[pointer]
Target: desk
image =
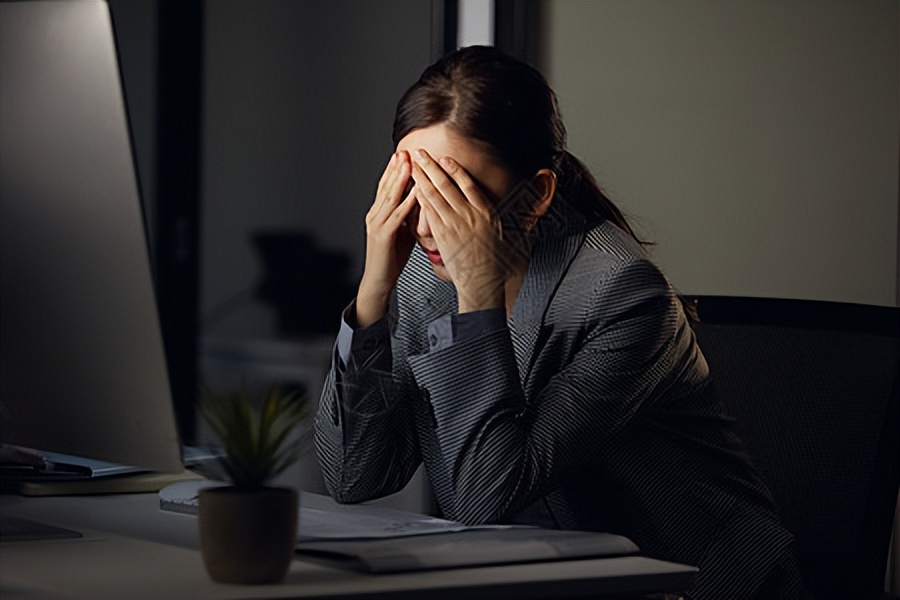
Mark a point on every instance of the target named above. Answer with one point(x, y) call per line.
point(131, 549)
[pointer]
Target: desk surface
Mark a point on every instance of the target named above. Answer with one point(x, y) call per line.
point(131, 549)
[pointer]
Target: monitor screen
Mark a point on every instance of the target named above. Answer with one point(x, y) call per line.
point(82, 363)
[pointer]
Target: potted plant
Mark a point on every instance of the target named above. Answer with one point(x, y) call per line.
point(248, 527)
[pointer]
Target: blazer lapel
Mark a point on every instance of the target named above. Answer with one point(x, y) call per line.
point(550, 259)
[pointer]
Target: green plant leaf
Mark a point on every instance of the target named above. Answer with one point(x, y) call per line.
point(256, 440)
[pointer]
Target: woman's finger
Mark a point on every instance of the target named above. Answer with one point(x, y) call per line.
point(405, 208)
point(451, 185)
point(428, 194)
point(470, 188)
point(387, 174)
point(435, 185)
point(391, 189)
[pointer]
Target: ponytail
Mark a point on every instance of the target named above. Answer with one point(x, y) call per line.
point(578, 187)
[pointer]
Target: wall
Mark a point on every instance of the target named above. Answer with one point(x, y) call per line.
point(755, 142)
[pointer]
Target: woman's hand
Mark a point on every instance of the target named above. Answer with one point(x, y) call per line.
point(388, 240)
point(465, 229)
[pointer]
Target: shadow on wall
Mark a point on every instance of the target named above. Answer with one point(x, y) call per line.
point(306, 284)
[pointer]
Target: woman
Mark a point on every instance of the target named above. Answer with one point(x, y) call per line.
point(528, 352)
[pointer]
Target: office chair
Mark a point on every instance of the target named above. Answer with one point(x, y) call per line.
point(815, 389)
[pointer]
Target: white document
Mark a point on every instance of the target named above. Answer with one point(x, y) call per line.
point(321, 518)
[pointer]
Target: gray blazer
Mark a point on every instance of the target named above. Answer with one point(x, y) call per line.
point(591, 410)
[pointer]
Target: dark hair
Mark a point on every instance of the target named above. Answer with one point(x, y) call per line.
point(489, 96)
point(508, 106)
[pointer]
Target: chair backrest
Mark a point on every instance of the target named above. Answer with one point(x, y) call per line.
point(815, 389)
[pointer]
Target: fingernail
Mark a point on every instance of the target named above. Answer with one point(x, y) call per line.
point(419, 156)
point(447, 163)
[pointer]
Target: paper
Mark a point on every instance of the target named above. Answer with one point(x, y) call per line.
point(330, 524)
point(321, 518)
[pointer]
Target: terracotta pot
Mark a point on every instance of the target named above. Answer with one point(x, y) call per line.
point(248, 536)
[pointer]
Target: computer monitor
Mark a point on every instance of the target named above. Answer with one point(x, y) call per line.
point(82, 362)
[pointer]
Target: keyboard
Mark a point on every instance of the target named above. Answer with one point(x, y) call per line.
point(181, 497)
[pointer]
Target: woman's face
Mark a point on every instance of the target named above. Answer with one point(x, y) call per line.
point(439, 141)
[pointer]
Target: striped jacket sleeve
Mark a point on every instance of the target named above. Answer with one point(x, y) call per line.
point(363, 431)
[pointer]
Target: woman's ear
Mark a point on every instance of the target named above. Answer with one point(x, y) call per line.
point(544, 186)
point(536, 196)
point(530, 200)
